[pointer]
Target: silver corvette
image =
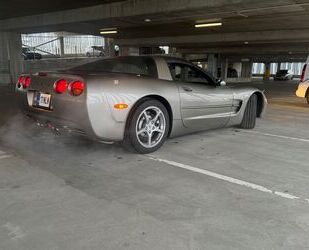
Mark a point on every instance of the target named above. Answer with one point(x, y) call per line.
point(140, 101)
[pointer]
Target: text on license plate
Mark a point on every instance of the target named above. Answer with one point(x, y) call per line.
point(43, 100)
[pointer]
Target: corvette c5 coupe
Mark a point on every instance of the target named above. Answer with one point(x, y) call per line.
point(139, 100)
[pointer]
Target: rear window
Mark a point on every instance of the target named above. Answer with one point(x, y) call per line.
point(144, 66)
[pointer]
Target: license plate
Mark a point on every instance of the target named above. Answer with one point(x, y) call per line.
point(42, 100)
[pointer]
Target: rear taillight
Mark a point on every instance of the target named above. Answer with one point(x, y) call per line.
point(302, 78)
point(27, 82)
point(77, 88)
point(21, 81)
point(60, 86)
point(24, 81)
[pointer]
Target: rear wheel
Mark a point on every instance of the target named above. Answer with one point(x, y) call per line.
point(249, 119)
point(148, 127)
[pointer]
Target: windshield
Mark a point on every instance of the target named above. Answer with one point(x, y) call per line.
point(145, 66)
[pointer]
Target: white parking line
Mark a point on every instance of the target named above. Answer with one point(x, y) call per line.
point(5, 156)
point(229, 179)
point(278, 136)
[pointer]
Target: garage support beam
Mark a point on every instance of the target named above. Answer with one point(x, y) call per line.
point(129, 51)
point(267, 72)
point(109, 47)
point(224, 68)
point(246, 70)
point(11, 61)
point(61, 40)
point(278, 66)
point(212, 64)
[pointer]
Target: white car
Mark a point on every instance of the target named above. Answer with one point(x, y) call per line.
point(303, 87)
point(95, 51)
point(303, 90)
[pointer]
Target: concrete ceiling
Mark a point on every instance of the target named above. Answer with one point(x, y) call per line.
point(19, 8)
point(254, 27)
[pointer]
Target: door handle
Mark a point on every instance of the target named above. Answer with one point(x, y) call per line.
point(187, 89)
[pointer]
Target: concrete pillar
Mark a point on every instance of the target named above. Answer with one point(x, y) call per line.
point(172, 50)
point(11, 60)
point(129, 51)
point(61, 40)
point(212, 64)
point(246, 69)
point(278, 66)
point(267, 72)
point(110, 47)
point(224, 68)
point(238, 67)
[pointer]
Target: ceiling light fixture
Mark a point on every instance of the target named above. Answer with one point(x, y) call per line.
point(204, 25)
point(108, 31)
point(147, 20)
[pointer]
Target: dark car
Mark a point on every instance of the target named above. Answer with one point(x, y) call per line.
point(29, 54)
point(284, 75)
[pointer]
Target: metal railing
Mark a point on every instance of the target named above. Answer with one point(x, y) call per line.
point(49, 43)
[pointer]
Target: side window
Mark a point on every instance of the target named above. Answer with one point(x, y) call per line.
point(189, 74)
point(193, 75)
point(176, 71)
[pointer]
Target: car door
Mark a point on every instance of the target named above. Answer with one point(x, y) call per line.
point(203, 104)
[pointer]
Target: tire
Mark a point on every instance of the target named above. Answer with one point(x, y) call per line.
point(88, 54)
point(307, 98)
point(152, 134)
point(249, 119)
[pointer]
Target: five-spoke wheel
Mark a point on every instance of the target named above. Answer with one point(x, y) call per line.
point(148, 127)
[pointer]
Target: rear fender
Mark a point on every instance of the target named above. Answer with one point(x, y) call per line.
point(104, 92)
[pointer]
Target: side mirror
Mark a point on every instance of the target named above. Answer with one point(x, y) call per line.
point(221, 82)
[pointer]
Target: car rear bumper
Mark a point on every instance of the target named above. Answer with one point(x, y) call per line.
point(57, 125)
point(65, 115)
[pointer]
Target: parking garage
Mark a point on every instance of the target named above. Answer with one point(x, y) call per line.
point(227, 188)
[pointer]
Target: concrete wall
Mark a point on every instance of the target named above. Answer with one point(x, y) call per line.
point(10, 57)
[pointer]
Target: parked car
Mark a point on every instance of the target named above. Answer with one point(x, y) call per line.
point(303, 90)
point(95, 51)
point(303, 87)
point(284, 75)
point(139, 100)
point(29, 54)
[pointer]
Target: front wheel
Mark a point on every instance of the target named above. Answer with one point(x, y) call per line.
point(148, 127)
point(249, 118)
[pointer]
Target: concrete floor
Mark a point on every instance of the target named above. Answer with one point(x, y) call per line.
point(70, 193)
